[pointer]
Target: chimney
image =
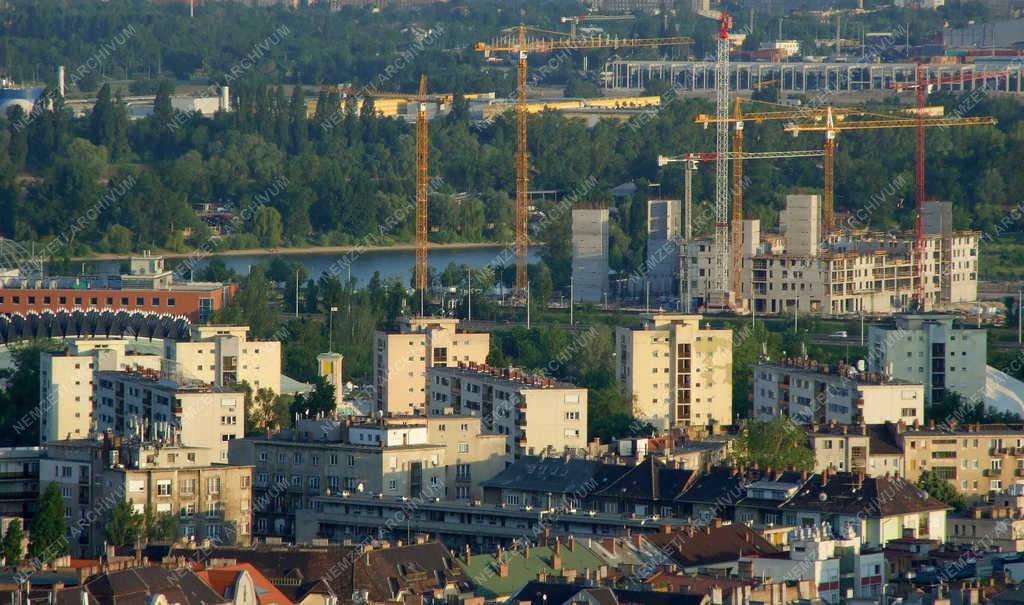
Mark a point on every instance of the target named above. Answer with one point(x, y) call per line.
point(547, 535)
point(556, 561)
point(526, 551)
point(503, 569)
point(572, 544)
point(469, 554)
point(666, 529)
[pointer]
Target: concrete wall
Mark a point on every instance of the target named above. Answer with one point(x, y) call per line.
point(590, 254)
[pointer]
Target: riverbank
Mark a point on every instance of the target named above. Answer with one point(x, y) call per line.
point(298, 251)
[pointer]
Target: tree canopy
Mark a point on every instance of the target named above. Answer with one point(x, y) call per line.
point(777, 444)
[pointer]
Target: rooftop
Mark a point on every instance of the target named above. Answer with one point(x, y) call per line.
point(840, 371)
point(508, 375)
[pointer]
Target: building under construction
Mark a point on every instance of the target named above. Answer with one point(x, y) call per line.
point(852, 271)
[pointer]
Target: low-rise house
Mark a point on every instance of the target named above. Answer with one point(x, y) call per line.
point(645, 490)
point(719, 545)
point(243, 584)
point(764, 498)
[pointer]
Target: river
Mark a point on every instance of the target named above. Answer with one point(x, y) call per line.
point(389, 263)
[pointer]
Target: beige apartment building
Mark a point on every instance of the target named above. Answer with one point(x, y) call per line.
point(535, 414)
point(224, 356)
point(401, 359)
point(219, 355)
point(413, 456)
point(66, 383)
point(676, 371)
point(143, 405)
point(812, 393)
point(999, 524)
point(210, 500)
point(978, 459)
point(872, 449)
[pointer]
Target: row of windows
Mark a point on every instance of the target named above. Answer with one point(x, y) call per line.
point(93, 300)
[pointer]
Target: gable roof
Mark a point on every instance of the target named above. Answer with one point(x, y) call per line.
point(223, 579)
point(873, 497)
point(720, 485)
point(556, 475)
point(414, 569)
point(715, 543)
point(550, 593)
point(648, 481)
point(136, 586)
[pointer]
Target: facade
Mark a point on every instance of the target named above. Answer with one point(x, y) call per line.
point(148, 287)
point(997, 525)
point(401, 359)
point(19, 482)
point(145, 405)
point(676, 372)
point(209, 499)
point(590, 254)
point(852, 272)
point(663, 247)
point(66, 383)
point(872, 449)
point(931, 350)
point(978, 460)
point(442, 457)
point(838, 566)
point(535, 414)
point(808, 393)
point(224, 356)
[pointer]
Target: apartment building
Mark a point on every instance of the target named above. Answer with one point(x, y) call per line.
point(209, 499)
point(219, 355)
point(872, 449)
point(676, 371)
point(401, 359)
point(932, 350)
point(224, 356)
point(535, 414)
point(590, 254)
point(19, 482)
point(146, 405)
point(999, 523)
point(977, 459)
point(443, 457)
point(848, 273)
point(66, 383)
point(812, 393)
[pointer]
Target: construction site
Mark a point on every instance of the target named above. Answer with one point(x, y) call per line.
point(815, 262)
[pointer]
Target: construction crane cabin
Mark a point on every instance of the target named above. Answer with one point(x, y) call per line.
point(520, 44)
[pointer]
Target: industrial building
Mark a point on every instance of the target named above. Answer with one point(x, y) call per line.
point(808, 392)
point(536, 414)
point(931, 350)
point(676, 372)
point(850, 272)
point(663, 247)
point(589, 254)
point(402, 357)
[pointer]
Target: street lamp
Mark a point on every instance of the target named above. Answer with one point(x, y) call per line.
point(330, 338)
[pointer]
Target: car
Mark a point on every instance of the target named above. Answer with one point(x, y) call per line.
point(839, 334)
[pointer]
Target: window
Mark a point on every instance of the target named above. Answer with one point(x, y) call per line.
point(262, 456)
point(297, 457)
point(333, 460)
point(392, 484)
point(163, 487)
point(246, 481)
point(314, 460)
point(512, 499)
point(464, 448)
point(187, 487)
point(350, 460)
point(213, 485)
point(314, 482)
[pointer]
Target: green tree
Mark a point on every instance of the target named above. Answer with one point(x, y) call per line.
point(776, 443)
point(253, 306)
point(319, 400)
point(49, 531)
point(158, 527)
point(267, 412)
point(12, 544)
point(266, 226)
point(124, 525)
point(941, 489)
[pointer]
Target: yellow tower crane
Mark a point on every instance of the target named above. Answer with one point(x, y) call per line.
point(422, 187)
point(517, 42)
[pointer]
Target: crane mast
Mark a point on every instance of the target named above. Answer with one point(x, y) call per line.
point(720, 272)
point(422, 184)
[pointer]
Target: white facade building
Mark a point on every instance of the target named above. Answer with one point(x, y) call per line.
point(536, 414)
point(809, 393)
point(930, 350)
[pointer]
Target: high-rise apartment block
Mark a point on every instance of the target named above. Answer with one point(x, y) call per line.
point(401, 359)
point(590, 254)
point(676, 371)
point(929, 349)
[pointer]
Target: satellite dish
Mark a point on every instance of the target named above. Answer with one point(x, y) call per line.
point(360, 487)
point(822, 496)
